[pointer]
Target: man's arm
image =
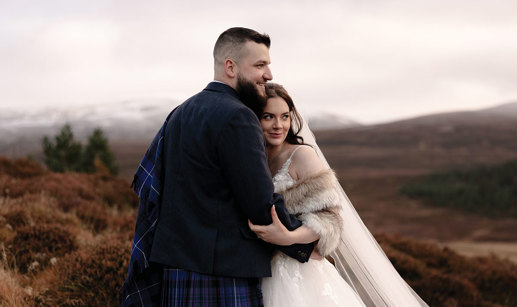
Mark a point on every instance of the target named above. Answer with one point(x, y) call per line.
point(243, 160)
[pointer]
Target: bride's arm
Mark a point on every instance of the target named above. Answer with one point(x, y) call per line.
point(303, 235)
point(305, 163)
point(319, 209)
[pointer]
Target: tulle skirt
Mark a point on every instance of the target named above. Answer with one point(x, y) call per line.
point(314, 283)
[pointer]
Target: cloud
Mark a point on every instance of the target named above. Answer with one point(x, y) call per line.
point(370, 60)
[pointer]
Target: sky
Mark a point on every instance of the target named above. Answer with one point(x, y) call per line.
point(372, 61)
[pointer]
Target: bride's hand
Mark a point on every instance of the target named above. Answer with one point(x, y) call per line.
point(274, 233)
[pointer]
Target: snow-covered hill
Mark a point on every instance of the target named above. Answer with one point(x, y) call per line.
point(21, 131)
point(131, 120)
point(327, 121)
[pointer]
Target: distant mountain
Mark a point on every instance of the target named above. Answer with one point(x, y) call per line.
point(507, 110)
point(326, 121)
point(127, 120)
point(132, 121)
point(424, 144)
point(415, 145)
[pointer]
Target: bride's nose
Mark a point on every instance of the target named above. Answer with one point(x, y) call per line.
point(276, 124)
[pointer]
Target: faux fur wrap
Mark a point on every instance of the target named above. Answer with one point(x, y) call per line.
point(315, 202)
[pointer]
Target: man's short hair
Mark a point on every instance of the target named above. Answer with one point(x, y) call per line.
point(230, 42)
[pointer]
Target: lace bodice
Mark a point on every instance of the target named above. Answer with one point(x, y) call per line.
point(282, 179)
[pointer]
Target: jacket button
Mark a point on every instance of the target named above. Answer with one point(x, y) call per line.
point(302, 254)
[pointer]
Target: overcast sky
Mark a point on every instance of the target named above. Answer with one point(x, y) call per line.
point(370, 60)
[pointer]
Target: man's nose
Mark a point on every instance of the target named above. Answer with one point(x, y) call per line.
point(267, 74)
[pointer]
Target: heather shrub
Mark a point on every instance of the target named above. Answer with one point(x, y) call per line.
point(60, 186)
point(17, 217)
point(11, 187)
point(34, 209)
point(91, 267)
point(431, 255)
point(443, 278)
point(39, 244)
point(93, 215)
point(69, 189)
point(20, 168)
point(114, 191)
point(418, 275)
point(48, 213)
point(439, 289)
point(6, 234)
point(496, 278)
point(91, 278)
point(124, 224)
point(67, 204)
point(63, 186)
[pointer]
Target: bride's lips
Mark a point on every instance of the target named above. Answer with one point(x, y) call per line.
point(275, 135)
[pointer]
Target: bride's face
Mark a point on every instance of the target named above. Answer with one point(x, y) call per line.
point(275, 121)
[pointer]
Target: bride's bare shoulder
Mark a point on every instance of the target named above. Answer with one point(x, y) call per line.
point(305, 163)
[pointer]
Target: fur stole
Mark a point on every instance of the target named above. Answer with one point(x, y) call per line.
point(315, 202)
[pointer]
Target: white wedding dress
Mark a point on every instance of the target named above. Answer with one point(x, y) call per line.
point(310, 284)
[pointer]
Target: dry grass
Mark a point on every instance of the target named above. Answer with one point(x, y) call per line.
point(12, 294)
point(79, 228)
point(11, 291)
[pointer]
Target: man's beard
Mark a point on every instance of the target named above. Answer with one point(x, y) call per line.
point(250, 96)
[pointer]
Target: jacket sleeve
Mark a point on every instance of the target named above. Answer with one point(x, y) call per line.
point(243, 160)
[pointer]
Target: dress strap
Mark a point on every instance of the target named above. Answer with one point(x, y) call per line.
point(287, 163)
point(292, 154)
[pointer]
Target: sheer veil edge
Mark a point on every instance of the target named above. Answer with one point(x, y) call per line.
point(359, 259)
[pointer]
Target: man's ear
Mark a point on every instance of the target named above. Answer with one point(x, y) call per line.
point(230, 68)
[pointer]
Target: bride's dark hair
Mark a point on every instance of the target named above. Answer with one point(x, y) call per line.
point(276, 90)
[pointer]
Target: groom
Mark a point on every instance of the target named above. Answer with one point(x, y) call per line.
point(215, 178)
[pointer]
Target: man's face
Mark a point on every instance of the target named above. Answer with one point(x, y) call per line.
point(253, 67)
point(250, 95)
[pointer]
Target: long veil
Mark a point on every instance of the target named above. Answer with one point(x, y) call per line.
point(359, 258)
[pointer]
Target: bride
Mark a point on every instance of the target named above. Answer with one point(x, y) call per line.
point(363, 275)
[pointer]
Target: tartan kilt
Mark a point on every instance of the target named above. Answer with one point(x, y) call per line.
point(185, 288)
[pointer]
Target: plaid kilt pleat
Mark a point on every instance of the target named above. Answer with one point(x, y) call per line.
point(182, 288)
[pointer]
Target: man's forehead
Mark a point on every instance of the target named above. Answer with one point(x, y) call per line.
point(255, 51)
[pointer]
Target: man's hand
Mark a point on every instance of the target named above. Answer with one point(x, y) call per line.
point(274, 233)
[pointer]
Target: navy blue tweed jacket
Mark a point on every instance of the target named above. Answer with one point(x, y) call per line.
point(203, 176)
point(216, 177)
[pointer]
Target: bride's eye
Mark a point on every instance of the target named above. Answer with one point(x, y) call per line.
point(267, 116)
